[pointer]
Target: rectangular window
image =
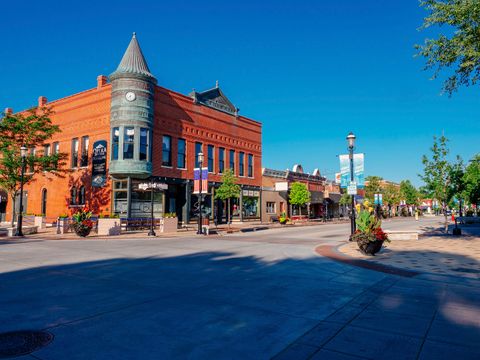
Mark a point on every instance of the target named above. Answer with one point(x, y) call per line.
point(115, 139)
point(144, 142)
point(221, 160)
point(250, 165)
point(182, 154)
point(31, 160)
point(241, 164)
point(198, 150)
point(167, 151)
point(128, 142)
point(46, 152)
point(270, 207)
point(84, 158)
point(211, 150)
point(74, 159)
point(232, 160)
point(55, 151)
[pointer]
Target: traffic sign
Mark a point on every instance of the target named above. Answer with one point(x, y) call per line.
point(352, 188)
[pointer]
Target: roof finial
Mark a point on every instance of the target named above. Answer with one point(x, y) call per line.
point(216, 84)
point(134, 34)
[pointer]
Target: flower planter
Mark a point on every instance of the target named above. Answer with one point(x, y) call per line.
point(63, 225)
point(108, 226)
point(370, 247)
point(81, 230)
point(40, 222)
point(170, 224)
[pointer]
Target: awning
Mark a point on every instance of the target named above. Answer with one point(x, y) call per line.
point(316, 197)
point(334, 197)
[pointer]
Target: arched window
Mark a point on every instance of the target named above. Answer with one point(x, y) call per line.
point(81, 196)
point(73, 196)
point(44, 202)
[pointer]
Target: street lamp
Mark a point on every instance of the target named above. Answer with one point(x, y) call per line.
point(152, 219)
point(351, 145)
point(200, 164)
point(23, 154)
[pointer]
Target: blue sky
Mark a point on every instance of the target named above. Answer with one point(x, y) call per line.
point(310, 71)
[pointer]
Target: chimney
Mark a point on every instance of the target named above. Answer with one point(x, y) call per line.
point(101, 81)
point(8, 111)
point(42, 101)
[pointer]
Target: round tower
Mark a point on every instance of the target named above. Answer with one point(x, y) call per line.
point(131, 115)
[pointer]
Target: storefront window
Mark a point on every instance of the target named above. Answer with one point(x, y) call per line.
point(128, 142)
point(250, 206)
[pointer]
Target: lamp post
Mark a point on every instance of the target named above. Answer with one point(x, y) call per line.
point(152, 219)
point(351, 145)
point(23, 154)
point(200, 164)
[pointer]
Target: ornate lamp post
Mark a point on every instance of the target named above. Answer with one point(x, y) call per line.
point(351, 145)
point(23, 154)
point(200, 159)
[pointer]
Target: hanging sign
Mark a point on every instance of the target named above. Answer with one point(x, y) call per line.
point(196, 181)
point(358, 170)
point(99, 163)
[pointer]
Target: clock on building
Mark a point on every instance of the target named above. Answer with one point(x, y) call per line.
point(130, 96)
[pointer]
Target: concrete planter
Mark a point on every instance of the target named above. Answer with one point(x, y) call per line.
point(63, 225)
point(168, 224)
point(40, 222)
point(107, 226)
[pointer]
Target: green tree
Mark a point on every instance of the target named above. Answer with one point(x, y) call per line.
point(32, 129)
point(299, 195)
point(460, 48)
point(373, 187)
point(408, 192)
point(345, 199)
point(391, 197)
point(471, 180)
point(457, 182)
point(436, 173)
point(227, 190)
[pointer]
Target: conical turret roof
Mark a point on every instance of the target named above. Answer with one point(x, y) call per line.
point(133, 61)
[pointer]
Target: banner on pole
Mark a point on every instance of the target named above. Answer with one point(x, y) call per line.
point(196, 181)
point(358, 170)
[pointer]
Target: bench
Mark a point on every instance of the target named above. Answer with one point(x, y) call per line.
point(132, 224)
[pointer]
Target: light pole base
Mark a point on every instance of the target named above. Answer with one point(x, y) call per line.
point(151, 233)
point(19, 234)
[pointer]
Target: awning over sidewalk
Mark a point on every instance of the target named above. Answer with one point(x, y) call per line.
point(316, 197)
point(334, 197)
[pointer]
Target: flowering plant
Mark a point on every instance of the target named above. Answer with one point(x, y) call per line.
point(283, 219)
point(82, 223)
point(368, 228)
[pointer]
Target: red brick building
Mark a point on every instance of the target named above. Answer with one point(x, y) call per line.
point(151, 134)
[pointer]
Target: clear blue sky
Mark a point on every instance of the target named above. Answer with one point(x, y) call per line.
point(310, 71)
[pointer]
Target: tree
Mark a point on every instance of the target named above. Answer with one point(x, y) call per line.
point(460, 48)
point(373, 187)
point(471, 180)
point(436, 173)
point(456, 181)
point(227, 190)
point(391, 197)
point(299, 194)
point(31, 129)
point(408, 192)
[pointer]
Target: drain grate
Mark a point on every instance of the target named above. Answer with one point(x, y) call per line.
point(17, 343)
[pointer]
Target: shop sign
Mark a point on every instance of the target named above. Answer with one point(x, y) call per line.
point(281, 186)
point(152, 186)
point(99, 163)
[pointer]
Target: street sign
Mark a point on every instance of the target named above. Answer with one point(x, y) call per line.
point(352, 188)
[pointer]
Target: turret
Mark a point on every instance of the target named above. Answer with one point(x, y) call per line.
point(131, 115)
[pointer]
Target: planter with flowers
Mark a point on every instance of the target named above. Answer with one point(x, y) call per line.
point(369, 234)
point(82, 225)
point(283, 219)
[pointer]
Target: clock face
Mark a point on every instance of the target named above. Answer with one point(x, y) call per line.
point(130, 96)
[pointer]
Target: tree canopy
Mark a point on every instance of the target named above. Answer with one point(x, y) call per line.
point(458, 47)
point(299, 194)
point(373, 187)
point(408, 192)
point(229, 187)
point(471, 180)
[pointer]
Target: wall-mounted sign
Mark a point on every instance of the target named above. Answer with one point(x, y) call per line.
point(99, 163)
point(152, 186)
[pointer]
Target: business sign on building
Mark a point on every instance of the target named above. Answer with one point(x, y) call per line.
point(196, 180)
point(358, 170)
point(281, 186)
point(99, 163)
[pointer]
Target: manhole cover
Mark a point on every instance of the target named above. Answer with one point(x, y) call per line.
point(17, 343)
point(467, 270)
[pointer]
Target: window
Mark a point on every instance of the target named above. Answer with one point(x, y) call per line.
point(73, 196)
point(74, 163)
point(115, 138)
point(46, 152)
point(128, 142)
point(270, 207)
point(31, 160)
point(84, 157)
point(44, 202)
point(198, 150)
point(182, 154)
point(144, 142)
point(81, 196)
point(241, 164)
point(211, 150)
point(167, 151)
point(232, 160)
point(250, 165)
point(221, 160)
point(55, 151)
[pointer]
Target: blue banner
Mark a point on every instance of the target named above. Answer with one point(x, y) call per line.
point(358, 167)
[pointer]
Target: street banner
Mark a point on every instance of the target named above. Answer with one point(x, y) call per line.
point(196, 180)
point(358, 167)
point(378, 199)
point(99, 163)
